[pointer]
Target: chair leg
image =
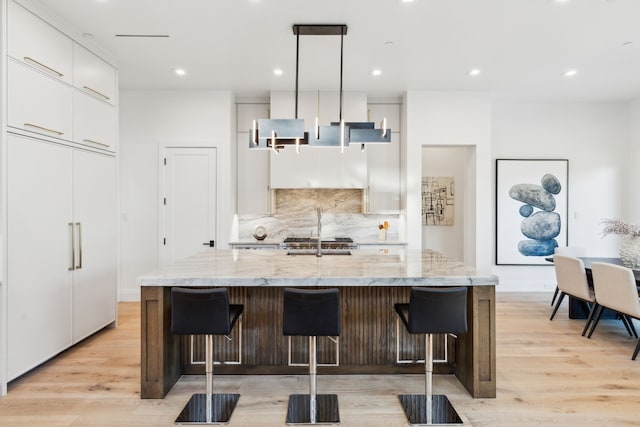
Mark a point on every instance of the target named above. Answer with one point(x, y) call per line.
point(555, 295)
point(427, 408)
point(633, 328)
point(590, 317)
point(428, 376)
point(208, 357)
point(623, 319)
point(313, 366)
point(635, 353)
point(313, 408)
point(208, 408)
point(555, 309)
point(596, 320)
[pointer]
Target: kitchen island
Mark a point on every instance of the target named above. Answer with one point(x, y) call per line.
point(370, 283)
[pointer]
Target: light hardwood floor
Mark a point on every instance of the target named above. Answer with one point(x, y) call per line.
point(548, 375)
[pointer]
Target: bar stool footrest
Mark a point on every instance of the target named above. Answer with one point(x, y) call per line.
point(443, 413)
point(299, 412)
point(195, 411)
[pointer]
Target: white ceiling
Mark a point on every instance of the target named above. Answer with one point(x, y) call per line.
point(523, 47)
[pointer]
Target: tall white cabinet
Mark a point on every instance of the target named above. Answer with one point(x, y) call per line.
point(59, 191)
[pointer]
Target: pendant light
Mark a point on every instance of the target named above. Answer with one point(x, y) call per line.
point(274, 134)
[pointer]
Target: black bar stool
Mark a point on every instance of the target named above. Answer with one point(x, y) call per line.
point(312, 313)
point(205, 312)
point(432, 311)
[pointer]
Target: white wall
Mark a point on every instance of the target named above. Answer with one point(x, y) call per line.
point(447, 161)
point(634, 151)
point(595, 139)
point(451, 119)
point(147, 120)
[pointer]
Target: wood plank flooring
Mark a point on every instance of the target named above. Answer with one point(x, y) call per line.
point(548, 375)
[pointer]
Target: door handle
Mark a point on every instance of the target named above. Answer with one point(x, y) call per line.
point(79, 266)
point(73, 248)
point(210, 243)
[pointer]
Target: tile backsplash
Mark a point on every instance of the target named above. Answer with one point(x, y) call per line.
point(295, 216)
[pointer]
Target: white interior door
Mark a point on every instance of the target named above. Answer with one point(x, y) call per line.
point(189, 203)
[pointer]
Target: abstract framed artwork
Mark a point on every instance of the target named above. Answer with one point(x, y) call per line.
point(437, 200)
point(531, 209)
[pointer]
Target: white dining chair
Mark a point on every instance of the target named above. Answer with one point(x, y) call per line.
point(572, 281)
point(576, 251)
point(615, 288)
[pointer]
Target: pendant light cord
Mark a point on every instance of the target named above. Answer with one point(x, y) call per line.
point(341, 56)
point(297, 61)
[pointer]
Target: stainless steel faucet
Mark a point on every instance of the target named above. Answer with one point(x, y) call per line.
point(319, 252)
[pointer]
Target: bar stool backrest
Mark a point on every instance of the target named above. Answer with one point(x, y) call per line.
point(438, 311)
point(572, 277)
point(311, 312)
point(615, 288)
point(200, 311)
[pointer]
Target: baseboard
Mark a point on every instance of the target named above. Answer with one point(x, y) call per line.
point(129, 295)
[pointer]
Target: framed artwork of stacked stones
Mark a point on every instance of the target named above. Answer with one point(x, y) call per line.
point(531, 209)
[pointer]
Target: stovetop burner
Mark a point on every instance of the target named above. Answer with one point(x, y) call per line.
point(310, 239)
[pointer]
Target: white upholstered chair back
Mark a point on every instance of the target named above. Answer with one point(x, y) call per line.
point(615, 288)
point(571, 277)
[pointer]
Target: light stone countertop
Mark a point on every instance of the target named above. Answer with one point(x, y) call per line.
point(246, 267)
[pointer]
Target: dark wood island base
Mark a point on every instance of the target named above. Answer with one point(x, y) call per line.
point(367, 344)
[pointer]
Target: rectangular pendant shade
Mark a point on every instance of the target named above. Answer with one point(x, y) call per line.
point(329, 136)
point(366, 133)
point(369, 136)
point(284, 128)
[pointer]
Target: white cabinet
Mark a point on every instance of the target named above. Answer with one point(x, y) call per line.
point(93, 76)
point(39, 257)
point(61, 279)
point(253, 165)
point(38, 103)
point(383, 163)
point(94, 215)
point(43, 67)
point(94, 122)
point(32, 41)
point(316, 167)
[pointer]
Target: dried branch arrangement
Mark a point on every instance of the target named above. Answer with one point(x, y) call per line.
point(618, 226)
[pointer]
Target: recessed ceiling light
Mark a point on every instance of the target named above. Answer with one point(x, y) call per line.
point(407, 1)
point(474, 72)
point(376, 72)
point(570, 73)
point(627, 43)
point(277, 71)
point(389, 43)
point(180, 71)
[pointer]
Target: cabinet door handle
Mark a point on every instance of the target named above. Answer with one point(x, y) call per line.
point(73, 248)
point(95, 92)
point(31, 125)
point(96, 142)
point(79, 266)
point(56, 72)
